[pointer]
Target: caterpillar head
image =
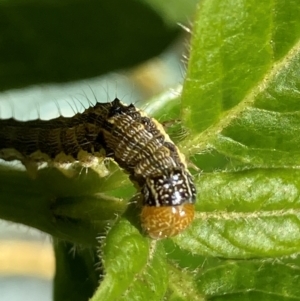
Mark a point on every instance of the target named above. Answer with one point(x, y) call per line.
point(168, 206)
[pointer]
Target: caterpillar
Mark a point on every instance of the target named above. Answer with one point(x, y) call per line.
point(135, 141)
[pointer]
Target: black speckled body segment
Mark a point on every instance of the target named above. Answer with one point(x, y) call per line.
point(135, 141)
point(140, 145)
point(143, 148)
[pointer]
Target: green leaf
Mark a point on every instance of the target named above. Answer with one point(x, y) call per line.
point(240, 103)
point(250, 280)
point(247, 121)
point(135, 266)
point(174, 11)
point(251, 213)
point(70, 208)
point(77, 272)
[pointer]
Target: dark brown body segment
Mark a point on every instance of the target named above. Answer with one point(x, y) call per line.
point(55, 136)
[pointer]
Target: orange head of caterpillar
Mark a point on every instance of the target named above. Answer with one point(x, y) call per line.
point(168, 206)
